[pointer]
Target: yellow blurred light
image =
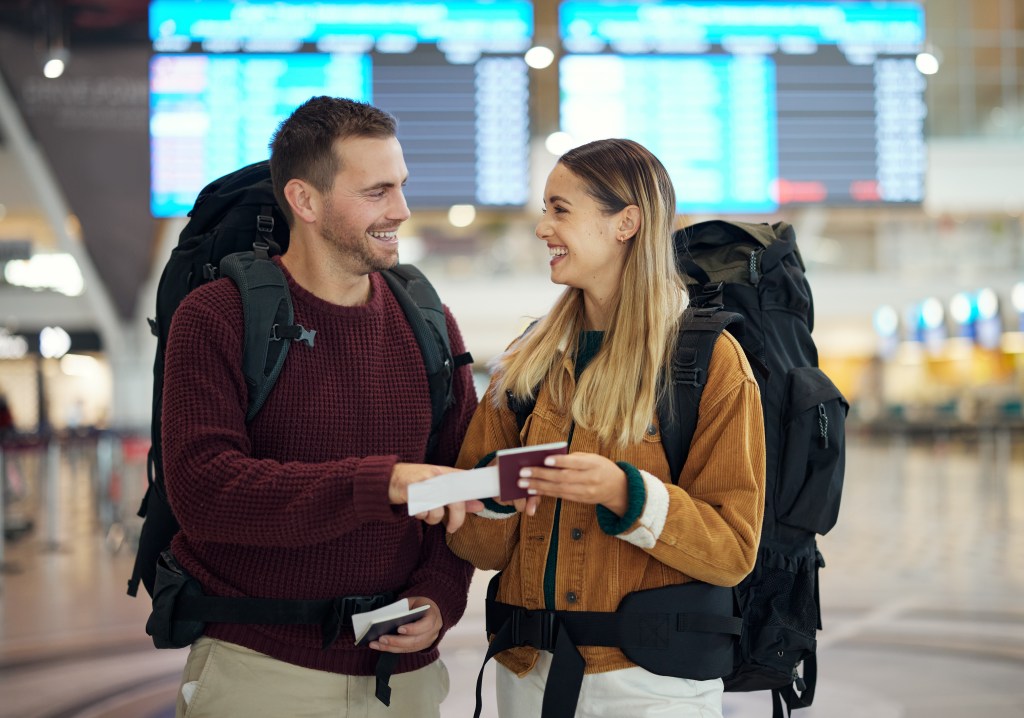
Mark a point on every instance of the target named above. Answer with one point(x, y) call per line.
point(1012, 343)
point(79, 365)
point(461, 215)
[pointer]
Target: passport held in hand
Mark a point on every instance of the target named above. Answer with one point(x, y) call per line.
point(371, 625)
point(510, 461)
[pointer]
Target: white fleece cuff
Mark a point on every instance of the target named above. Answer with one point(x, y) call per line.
point(652, 520)
point(488, 514)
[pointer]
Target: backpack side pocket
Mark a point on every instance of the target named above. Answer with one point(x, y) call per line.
point(779, 601)
point(813, 455)
point(172, 583)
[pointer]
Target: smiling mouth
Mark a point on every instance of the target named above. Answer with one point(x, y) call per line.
point(558, 251)
point(391, 236)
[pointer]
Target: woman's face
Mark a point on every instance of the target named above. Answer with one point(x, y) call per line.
point(582, 240)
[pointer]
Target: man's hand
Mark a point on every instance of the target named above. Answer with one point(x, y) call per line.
point(457, 513)
point(404, 474)
point(416, 636)
point(398, 493)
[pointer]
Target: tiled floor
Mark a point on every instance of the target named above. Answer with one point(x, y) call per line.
point(923, 602)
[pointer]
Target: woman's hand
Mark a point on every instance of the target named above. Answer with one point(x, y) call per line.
point(586, 478)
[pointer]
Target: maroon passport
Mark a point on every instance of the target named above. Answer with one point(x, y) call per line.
point(510, 461)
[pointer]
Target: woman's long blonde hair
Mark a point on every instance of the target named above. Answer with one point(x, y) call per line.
point(618, 391)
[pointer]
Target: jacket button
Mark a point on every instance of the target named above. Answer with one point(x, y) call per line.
point(576, 534)
point(571, 597)
point(651, 430)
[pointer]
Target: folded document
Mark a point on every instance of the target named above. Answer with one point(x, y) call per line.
point(451, 487)
point(501, 480)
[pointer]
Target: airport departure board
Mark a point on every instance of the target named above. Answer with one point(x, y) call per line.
point(755, 105)
point(223, 76)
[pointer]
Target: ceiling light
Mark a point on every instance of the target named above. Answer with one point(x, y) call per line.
point(539, 57)
point(558, 143)
point(56, 61)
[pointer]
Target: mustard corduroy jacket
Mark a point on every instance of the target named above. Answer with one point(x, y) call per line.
point(707, 527)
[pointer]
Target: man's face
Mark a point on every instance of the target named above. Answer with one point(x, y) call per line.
point(366, 205)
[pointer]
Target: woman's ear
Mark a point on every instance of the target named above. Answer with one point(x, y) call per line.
point(629, 223)
point(303, 200)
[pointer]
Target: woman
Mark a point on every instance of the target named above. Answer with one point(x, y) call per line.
point(606, 520)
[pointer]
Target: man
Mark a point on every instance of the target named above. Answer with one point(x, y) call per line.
point(307, 501)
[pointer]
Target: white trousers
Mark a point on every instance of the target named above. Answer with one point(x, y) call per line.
point(628, 693)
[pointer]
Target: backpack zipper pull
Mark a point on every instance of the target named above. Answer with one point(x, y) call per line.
point(823, 426)
point(755, 274)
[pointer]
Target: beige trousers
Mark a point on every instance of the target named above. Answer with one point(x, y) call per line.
point(224, 680)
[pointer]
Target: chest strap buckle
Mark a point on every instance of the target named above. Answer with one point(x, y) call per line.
point(534, 628)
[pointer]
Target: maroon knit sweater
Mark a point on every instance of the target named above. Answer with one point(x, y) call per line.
point(295, 505)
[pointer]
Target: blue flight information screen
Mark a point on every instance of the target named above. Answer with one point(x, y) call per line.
point(754, 105)
point(211, 114)
point(224, 75)
point(231, 25)
point(716, 139)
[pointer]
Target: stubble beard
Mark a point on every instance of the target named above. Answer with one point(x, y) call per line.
point(356, 251)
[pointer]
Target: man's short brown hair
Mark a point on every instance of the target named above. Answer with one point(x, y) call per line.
point(303, 145)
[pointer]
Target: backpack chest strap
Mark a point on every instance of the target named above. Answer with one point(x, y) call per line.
point(540, 628)
point(331, 614)
point(647, 637)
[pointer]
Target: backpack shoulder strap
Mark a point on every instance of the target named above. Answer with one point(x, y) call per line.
point(679, 408)
point(423, 308)
point(522, 406)
point(268, 317)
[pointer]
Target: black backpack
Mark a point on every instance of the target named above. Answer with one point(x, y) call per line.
point(233, 230)
point(749, 279)
point(756, 271)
